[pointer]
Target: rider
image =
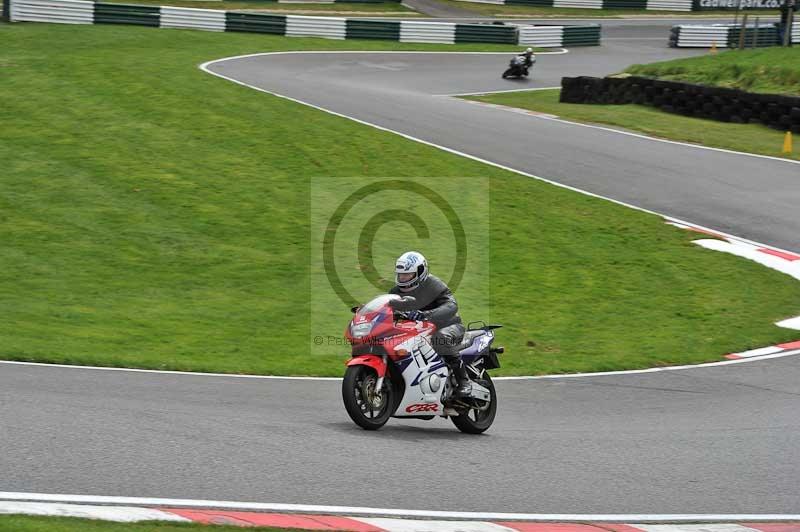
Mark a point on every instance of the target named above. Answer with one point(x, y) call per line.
point(529, 58)
point(435, 303)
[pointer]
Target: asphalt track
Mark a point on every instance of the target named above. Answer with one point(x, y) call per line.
point(704, 440)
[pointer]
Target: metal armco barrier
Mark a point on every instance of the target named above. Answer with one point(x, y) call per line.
point(331, 1)
point(55, 11)
point(330, 28)
point(127, 14)
point(726, 36)
point(558, 36)
point(544, 36)
point(255, 23)
point(486, 33)
point(579, 4)
point(651, 5)
point(373, 29)
point(581, 35)
point(85, 12)
point(668, 5)
point(190, 18)
point(537, 3)
point(441, 32)
point(715, 103)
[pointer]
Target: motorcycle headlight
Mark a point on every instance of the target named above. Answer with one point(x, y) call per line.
point(360, 330)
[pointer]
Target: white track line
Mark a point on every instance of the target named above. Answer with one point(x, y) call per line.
point(170, 372)
point(655, 139)
point(512, 378)
point(556, 51)
point(205, 67)
point(391, 512)
point(428, 525)
point(554, 118)
point(499, 92)
point(649, 370)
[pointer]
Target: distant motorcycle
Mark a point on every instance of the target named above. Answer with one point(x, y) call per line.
point(517, 67)
point(395, 372)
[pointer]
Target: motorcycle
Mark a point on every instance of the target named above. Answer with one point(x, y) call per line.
point(395, 372)
point(517, 67)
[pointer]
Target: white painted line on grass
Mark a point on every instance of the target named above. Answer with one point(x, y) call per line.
point(559, 51)
point(510, 378)
point(412, 525)
point(713, 527)
point(392, 512)
point(791, 323)
point(751, 252)
point(759, 352)
point(170, 372)
point(499, 92)
point(648, 370)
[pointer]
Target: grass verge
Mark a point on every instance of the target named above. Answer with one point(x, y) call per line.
point(769, 70)
point(750, 138)
point(154, 216)
point(27, 523)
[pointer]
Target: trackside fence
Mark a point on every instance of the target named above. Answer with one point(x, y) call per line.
point(86, 12)
point(728, 35)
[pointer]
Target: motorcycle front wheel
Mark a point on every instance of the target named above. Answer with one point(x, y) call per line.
point(473, 420)
point(507, 73)
point(369, 408)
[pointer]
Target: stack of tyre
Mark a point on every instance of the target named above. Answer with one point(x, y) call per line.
point(716, 103)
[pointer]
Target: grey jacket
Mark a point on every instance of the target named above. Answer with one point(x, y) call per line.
point(435, 300)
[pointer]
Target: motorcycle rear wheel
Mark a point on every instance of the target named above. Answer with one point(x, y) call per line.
point(475, 421)
point(367, 409)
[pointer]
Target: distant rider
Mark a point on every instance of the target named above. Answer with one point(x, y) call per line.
point(529, 58)
point(435, 303)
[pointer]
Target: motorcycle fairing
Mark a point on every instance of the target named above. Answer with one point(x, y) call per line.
point(475, 349)
point(372, 361)
point(423, 363)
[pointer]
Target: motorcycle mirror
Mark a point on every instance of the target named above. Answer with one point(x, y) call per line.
point(354, 309)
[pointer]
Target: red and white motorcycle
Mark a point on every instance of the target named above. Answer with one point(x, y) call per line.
point(395, 372)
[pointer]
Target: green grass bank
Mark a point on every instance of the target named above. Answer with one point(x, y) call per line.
point(769, 70)
point(154, 216)
point(25, 523)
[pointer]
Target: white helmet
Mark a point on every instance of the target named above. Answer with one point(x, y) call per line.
point(529, 51)
point(411, 269)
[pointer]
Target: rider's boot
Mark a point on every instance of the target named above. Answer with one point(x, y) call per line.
point(464, 387)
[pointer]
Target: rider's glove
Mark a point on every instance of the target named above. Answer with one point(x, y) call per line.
point(415, 315)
